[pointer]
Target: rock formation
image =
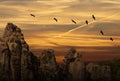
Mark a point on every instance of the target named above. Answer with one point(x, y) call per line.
point(48, 65)
point(74, 66)
point(5, 71)
point(76, 70)
point(18, 63)
point(98, 72)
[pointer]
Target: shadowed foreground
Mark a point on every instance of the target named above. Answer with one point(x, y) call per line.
point(18, 63)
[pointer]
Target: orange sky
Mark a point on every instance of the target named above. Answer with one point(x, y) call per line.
point(43, 32)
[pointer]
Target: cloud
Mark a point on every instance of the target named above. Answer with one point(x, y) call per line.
point(109, 28)
point(19, 12)
point(45, 10)
point(95, 6)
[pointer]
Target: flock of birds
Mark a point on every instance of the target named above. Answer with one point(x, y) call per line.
point(93, 17)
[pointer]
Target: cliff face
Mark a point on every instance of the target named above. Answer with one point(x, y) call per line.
point(98, 73)
point(18, 63)
point(79, 71)
point(48, 65)
point(4, 61)
point(74, 66)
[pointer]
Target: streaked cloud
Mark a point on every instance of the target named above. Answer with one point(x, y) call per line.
point(45, 10)
point(43, 31)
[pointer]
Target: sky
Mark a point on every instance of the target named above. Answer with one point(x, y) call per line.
point(42, 32)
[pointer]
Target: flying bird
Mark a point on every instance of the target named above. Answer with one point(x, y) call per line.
point(93, 17)
point(86, 22)
point(111, 39)
point(101, 32)
point(55, 19)
point(32, 15)
point(73, 21)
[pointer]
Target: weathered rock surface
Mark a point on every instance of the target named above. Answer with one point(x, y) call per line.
point(18, 62)
point(48, 65)
point(75, 69)
point(74, 66)
point(4, 61)
point(98, 72)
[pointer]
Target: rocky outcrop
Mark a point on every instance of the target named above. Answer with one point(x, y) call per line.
point(75, 69)
point(18, 62)
point(98, 72)
point(74, 66)
point(48, 65)
point(5, 71)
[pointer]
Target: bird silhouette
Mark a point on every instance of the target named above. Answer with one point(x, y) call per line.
point(32, 15)
point(55, 19)
point(101, 32)
point(86, 22)
point(111, 39)
point(73, 21)
point(93, 17)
